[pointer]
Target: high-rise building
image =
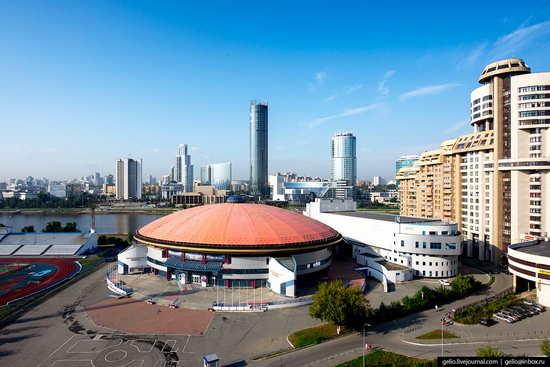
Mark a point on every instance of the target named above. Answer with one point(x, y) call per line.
point(183, 171)
point(404, 162)
point(343, 159)
point(377, 181)
point(258, 148)
point(499, 176)
point(128, 179)
point(109, 179)
point(217, 175)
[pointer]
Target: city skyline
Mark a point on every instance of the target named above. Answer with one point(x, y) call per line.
point(164, 66)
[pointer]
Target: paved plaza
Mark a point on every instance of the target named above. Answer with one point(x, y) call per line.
point(120, 315)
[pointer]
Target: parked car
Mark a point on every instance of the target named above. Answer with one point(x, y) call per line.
point(531, 309)
point(511, 315)
point(515, 313)
point(502, 317)
point(521, 311)
point(444, 282)
point(486, 321)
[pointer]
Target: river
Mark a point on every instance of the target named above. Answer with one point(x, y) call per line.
point(105, 223)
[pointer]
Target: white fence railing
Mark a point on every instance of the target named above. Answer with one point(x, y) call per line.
point(114, 283)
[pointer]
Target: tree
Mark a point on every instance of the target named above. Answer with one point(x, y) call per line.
point(489, 352)
point(70, 227)
point(28, 229)
point(339, 305)
point(545, 347)
point(130, 238)
point(2, 225)
point(53, 226)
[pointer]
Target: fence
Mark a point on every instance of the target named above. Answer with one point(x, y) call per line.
point(114, 283)
point(496, 296)
point(502, 337)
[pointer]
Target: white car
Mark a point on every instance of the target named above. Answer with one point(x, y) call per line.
point(444, 282)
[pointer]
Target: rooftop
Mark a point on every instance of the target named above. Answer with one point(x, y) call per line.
point(539, 248)
point(244, 226)
point(507, 66)
point(390, 217)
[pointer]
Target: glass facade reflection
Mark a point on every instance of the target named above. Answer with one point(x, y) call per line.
point(258, 148)
point(217, 175)
point(343, 160)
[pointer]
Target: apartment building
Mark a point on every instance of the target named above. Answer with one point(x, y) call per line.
point(494, 181)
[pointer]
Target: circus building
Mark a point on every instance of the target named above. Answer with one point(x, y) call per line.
point(233, 245)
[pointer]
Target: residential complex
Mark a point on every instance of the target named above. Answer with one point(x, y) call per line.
point(128, 179)
point(494, 181)
point(258, 148)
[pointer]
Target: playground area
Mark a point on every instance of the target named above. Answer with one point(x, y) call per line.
point(22, 277)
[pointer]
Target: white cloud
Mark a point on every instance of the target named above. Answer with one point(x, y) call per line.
point(521, 38)
point(321, 76)
point(347, 90)
point(354, 88)
point(345, 113)
point(456, 127)
point(429, 89)
point(382, 88)
point(475, 54)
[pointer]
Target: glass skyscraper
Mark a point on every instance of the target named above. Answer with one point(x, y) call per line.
point(344, 160)
point(404, 162)
point(258, 148)
point(217, 175)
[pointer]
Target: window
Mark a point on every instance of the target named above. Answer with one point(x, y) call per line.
point(416, 244)
point(402, 243)
point(430, 265)
point(423, 244)
point(417, 263)
point(435, 245)
point(424, 263)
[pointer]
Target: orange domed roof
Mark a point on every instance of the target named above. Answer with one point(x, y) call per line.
point(237, 225)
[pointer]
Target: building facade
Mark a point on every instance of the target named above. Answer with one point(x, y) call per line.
point(259, 148)
point(529, 262)
point(499, 177)
point(128, 179)
point(429, 247)
point(217, 175)
point(405, 161)
point(343, 158)
point(183, 170)
point(233, 245)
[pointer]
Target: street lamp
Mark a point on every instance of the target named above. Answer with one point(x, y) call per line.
point(364, 345)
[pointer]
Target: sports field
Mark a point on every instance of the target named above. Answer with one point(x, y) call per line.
point(21, 277)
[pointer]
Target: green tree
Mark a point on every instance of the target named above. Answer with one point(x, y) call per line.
point(28, 229)
point(339, 305)
point(70, 227)
point(489, 352)
point(130, 238)
point(53, 226)
point(545, 347)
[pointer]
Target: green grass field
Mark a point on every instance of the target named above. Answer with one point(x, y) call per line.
point(436, 334)
point(382, 358)
point(314, 335)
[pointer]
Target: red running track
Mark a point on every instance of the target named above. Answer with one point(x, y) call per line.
point(64, 269)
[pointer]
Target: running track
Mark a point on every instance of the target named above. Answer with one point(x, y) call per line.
point(65, 268)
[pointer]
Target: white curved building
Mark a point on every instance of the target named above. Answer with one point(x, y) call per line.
point(530, 264)
point(430, 247)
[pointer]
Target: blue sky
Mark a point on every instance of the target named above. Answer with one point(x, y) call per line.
point(83, 83)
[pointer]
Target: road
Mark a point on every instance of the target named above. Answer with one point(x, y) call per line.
point(388, 336)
